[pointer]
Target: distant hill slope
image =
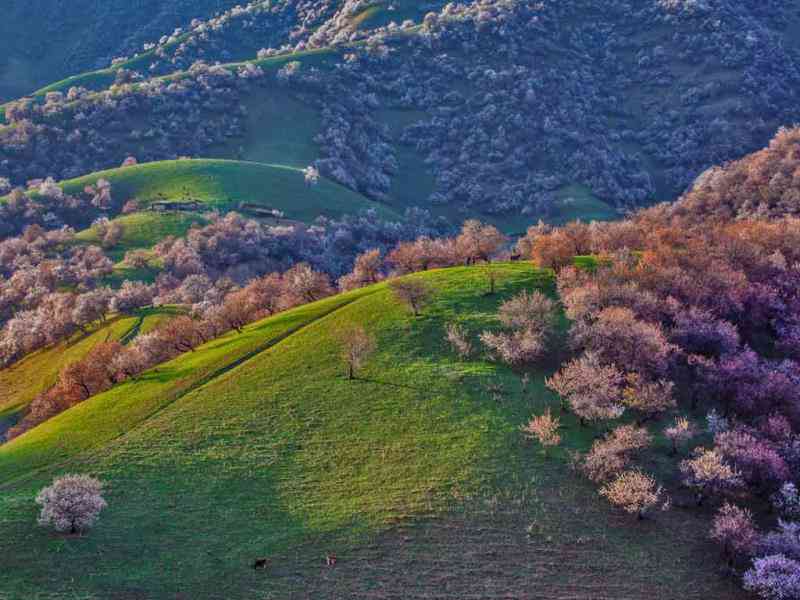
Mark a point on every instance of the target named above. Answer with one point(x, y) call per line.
point(494, 108)
point(414, 475)
point(251, 189)
point(224, 185)
point(45, 40)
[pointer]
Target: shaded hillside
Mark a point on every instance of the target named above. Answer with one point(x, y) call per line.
point(45, 40)
point(258, 445)
point(762, 185)
point(492, 108)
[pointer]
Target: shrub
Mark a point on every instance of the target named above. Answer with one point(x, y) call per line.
point(543, 429)
point(459, 342)
point(774, 578)
point(633, 491)
point(71, 504)
point(733, 529)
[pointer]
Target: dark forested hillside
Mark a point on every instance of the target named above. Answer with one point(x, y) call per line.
point(46, 40)
point(501, 107)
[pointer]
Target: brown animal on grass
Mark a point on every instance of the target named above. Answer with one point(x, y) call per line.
point(260, 563)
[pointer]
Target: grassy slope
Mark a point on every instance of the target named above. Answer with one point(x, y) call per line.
point(143, 230)
point(23, 381)
point(282, 456)
point(223, 184)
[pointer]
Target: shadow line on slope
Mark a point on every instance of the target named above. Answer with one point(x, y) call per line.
point(89, 451)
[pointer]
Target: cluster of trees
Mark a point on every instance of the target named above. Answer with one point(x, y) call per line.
point(218, 306)
point(48, 282)
point(81, 131)
point(507, 138)
point(110, 363)
point(514, 133)
point(46, 205)
point(683, 313)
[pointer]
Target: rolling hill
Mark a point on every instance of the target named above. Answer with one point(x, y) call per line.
point(415, 474)
point(22, 382)
point(484, 122)
point(223, 185)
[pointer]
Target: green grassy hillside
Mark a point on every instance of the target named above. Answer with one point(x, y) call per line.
point(23, 381)
point(223, 184)
point(219, 185)
point(415, 474)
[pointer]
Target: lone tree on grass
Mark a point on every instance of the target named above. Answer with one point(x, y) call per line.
point(412, 292)
point(71, 504)
point(357, 346)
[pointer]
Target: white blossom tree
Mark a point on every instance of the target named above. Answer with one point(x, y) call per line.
point(71, 504)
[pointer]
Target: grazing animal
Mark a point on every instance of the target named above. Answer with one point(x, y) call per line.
point(260, 563)
point(330, 560)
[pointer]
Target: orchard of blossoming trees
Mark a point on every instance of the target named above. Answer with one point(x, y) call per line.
point(693, 308)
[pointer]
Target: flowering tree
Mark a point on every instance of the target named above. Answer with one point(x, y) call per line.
point(72, 503)
point(787, 501)
point(411, 292)
point(528, 310)
point(531, 318)
point(733, 529)
point(356, 346)
point(618, 337)
point(610, 455)
point(366, 271)
point(543, 429)
point(707, 473)
point(478, 242)
point(679, 432)
point(648, 398)
point(593, 390)
point(756, 459)
point(633, 491)
point(311, 175)
point(785, 540)
point(774, 578)
point(517, 347)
